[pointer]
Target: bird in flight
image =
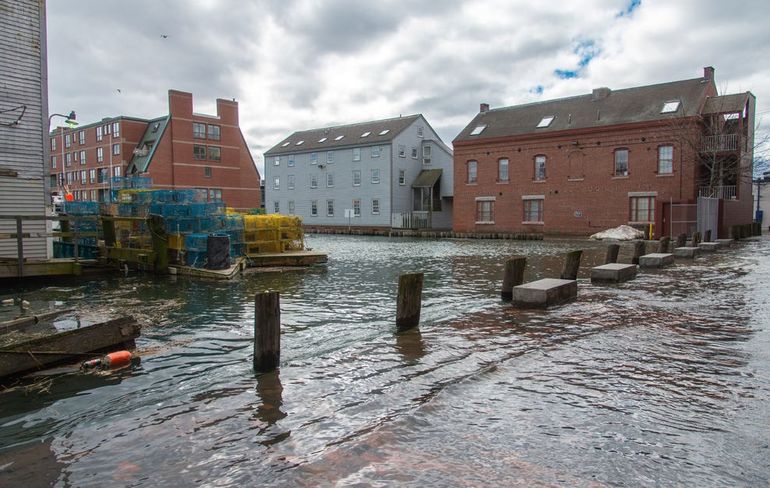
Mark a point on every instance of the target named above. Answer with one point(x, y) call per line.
point(119, 91)
point(164, 36)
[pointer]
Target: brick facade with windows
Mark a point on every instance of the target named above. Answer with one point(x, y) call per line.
point(598, 163)
point(178, 151)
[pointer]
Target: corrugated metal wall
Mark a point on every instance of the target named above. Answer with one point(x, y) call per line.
point(23, 119)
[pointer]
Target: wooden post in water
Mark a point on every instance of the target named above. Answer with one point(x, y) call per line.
point(707, 236)
point(108, 230)
point(612, 254)
point(19, 247)
point(267, 331)
point(409, 301)
point(681, 240)
point(663, 244)
point(157, 227)
point(513, 276)
point(639, 251)
point(695, 239)
point(571, 265)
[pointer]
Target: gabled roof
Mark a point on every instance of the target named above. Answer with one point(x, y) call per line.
point(380, 131)
point(604, 107)
point(144, 151)
point(726, 104)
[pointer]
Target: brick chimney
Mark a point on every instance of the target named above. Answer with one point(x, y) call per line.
point(600, 93)
point(708, 73)
point(484, 107)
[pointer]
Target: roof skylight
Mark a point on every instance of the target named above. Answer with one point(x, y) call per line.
point(322, 139)
point(338, 138)
point(383, 132)
point(299, 143)
point(478, 130)
point(670, 106)
point(285, 144)
point(366, 134)
point(545, 121)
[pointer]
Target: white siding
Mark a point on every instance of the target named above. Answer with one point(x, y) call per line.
point(22, 197)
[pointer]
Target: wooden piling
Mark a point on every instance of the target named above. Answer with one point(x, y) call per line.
point(409, 301)
point(681, 240)
point(267, 331)
point(663, 244)
point(639, 251)
point(612, 254)
point(157, 227)
point(695, 239)
point(571, 265)
point(108, 230)
point(707, 236)
point(513, 276)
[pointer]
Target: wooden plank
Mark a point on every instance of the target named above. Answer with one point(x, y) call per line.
point(24, 322)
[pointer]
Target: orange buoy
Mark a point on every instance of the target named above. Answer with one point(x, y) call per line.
point(117, 359)
point(69, 197)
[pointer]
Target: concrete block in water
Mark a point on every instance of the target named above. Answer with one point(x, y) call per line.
point(613, 273)
point(708, 246)
point(686, 252)
point(724, 242)
point(656, 260)
point(544, 293)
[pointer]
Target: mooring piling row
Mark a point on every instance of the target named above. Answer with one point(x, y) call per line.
point(409, 300)
point(513, 275)
point(639, 251)
point(612, 254)
point(267, 331)
point(571, 265)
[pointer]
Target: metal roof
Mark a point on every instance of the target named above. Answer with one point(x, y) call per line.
point(427, 178)
point(152, 135)
point(604, 107)
point(380, 131)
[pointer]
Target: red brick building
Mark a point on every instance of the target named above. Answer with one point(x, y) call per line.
point(582, 164)
point(178, 151)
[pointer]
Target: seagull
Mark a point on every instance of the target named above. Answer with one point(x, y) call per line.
point(119, 91)
point(164, 36)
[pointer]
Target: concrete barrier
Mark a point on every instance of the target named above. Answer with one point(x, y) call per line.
point(686, 252)
point(613, 273)
point(544, 293)
point(656, 260)
point(724, 242)
point(708, 246)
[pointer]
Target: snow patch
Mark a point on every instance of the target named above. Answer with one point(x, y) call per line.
point(621, 233)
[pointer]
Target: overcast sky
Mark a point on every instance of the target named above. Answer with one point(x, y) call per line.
point(295, 65)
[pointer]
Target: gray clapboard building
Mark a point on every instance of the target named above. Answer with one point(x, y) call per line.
point(23, 122)
point(379, 174)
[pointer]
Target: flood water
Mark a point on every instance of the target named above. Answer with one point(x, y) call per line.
point(661, 381)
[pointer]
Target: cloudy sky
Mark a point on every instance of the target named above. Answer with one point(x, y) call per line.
point(299, 64)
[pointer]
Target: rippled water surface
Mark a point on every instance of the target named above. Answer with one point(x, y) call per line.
point(664, 380)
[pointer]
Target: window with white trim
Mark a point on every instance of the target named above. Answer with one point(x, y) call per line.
point(330, 208)
point(485, 211)
point(376, 150)
point(533, 210)
point(314, 208)
point(276, 183)
point(426, 153)
point(414, 153)
point(53, 161)
point(540, 162)
point(68, 159)
point(116, 129)
point(621, 162)
point(116, 171)
point(99, 133)
point(290, 182)
point(291, 207)
point(313, 181)
point(329, 180)
point(290, 160)
point(375, 176)
point(665, 160)
point(82, 137)
point(329, 157)
point(356, 177)
point(277, 161)
point(375, 206)
point(356, 154)
point(402, 177)
point(401, 151)
point(472, 168)
point(116, 149)
point(92, 175)
point(313, 158)
point(276, 207)
point(100, 154)
point(642, 209)
point(419, 132)
point(502, 170)
point(207, 171)
point(199, 130)
point(53, 144)
point(356, 207)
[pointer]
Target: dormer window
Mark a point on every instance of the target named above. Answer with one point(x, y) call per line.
point(285, 144)
point(545, 121)
point(299, 143)
point(383, 132)
point(322, 139)
point(338, 138)
point(478, 130)
point(670, 106)
point(366, 134)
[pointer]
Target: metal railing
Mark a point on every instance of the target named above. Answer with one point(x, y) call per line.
point(410, 220)
point(721, 142)
point(728, 192)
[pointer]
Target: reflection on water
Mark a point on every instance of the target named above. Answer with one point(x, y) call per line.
point(663, 380)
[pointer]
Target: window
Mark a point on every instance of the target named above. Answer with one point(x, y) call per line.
point(375, 206)
point(276, 183)
point(502, 169)
point(533, 210)
point(199, 152)
point(92, 176)
point(366, 134)
point(214, 132)
point(285, 143)
point(540, 168)
point(665, 160)
point(207, 171)
point(383, 132)
point(313, 181)
point(76, 156)
point(478, 129)
point(376, 150)
point(102, 175)
point(338, 138)
point(642, 209)
point(199, 130)
point(472, 168)
point(329, 157)
point(68, 159)
point(375, 176)
point(426, 152)
point(485, 211)
point(330, 208)
point(69, 178)
point(53, 161)
point(276, 207)
point(67, 140)
point(99, 133)
point(299, 143)
point(670, 106)
point(155, 127)
point(356, 207)
point(115, 129)
point(82, 137)
point(106, 129)
point(290, 182)
point(401, 151)
point(323, 139)
point(414, 153)
point(116, 149)
point(82, 157)
point(215, 153)
point(53, 144)
point(621, 162)
point(356, 177)
point(545, 121)
point(330, 180)
point(83, 176)
point(356, 154)
point(116, 171)
point(277, 161)
point(99, 154)
point(402, 177)
point(419, 132)
point(93, 195)
point(215, 195)
point(291, 207)
point(290, 160)
point(314, 208)
point(313, 158)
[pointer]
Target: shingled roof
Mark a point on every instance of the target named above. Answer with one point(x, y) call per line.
point(726, 103)
point(604, 107)
point(324, 138)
